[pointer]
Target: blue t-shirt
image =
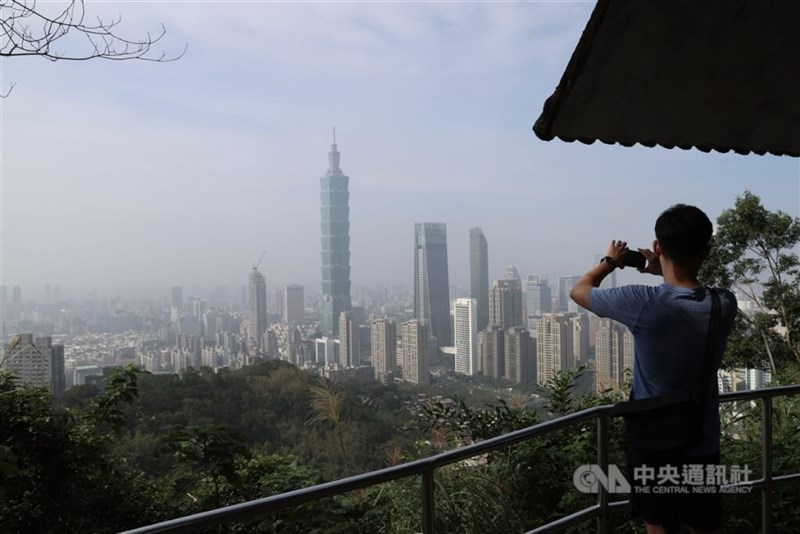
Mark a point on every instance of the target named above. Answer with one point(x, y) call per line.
point(669, 326)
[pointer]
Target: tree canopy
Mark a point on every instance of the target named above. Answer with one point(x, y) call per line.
point(754, 252)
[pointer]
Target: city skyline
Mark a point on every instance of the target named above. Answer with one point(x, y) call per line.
point(209, 163)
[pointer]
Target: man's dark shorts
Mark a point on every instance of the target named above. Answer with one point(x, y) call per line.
point(702, 511)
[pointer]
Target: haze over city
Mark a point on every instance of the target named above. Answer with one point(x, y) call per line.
point(129, 176)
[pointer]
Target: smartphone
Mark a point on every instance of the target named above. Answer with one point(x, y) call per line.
point(634, 258)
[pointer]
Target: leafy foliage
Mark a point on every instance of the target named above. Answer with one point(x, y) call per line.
point(58, 473)
point(752, 252)
point(210, 451)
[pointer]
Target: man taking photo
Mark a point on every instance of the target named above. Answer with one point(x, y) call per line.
point(670, 325)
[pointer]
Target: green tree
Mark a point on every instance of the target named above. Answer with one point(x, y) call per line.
point(753, 252)
point(57, 471)
point(211, 452)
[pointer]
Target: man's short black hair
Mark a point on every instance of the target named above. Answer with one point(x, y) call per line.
point(683, 232)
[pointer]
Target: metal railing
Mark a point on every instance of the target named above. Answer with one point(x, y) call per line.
point(426, 467)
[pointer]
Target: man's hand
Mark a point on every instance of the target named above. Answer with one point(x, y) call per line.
point(616, 250)
point(653, 262)
point(583, 287)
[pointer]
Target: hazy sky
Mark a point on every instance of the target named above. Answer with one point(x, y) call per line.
point(128, 174)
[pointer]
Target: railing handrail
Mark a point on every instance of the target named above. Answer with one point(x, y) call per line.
point(422, 466)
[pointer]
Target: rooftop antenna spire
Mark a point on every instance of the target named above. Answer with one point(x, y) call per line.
point(333, 156)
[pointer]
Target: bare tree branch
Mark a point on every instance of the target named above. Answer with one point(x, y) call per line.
point(27, 31)
point(10, 88)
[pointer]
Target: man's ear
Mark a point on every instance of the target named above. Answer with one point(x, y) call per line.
point(656, 247)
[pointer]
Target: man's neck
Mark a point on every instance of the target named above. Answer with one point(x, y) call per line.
point(680, 277)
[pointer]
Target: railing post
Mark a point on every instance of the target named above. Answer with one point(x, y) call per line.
point(602, 461)
point(766, 464)
point(428, 505)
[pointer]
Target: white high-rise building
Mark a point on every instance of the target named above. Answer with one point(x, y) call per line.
point(326, 351)
point(742, 379)
point(465, 320)
point(36, 363)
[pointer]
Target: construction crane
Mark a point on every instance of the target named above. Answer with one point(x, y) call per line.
point(256, 264)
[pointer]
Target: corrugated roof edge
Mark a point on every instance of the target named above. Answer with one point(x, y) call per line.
point(670, 146)
point(544, 124)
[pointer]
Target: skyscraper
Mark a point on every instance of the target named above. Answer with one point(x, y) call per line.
point(335, 212)
point(198, 307)
point(294, 342)
point(554, 345)
point(293, 304)
point(580, 338)
point(384, 349)
point(520, 361)
point(57, 376)
point(276, 302)
point(565, 285)
point(466, 336)
point(491, 346)
point(505, 304)
point(349, 346)
point(479, 274)
point(431, 280)
point(35, 363)
point(513, 274)
point(176, 305)
point(539, 299)
point(414, 336)
point(256, 305)
point(269, 342)
point(613, 354)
